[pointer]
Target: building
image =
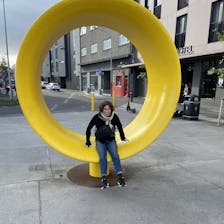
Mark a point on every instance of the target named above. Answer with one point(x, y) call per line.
point(60, 62)
point(195, 27)
point(90, 58)
point(103, 52)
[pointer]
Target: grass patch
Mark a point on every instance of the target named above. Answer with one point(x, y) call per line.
point(8, 102)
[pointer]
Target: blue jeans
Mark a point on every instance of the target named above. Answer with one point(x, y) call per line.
point(102, 148)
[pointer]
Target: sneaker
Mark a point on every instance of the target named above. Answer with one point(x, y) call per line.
point(104, 183)
point(121, 181)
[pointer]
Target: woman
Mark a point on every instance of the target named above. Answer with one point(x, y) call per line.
point(105, 122)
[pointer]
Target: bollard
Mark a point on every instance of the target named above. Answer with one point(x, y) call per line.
point(220, 111)
point(92, 101)
point(94, 169)
point(114, 99)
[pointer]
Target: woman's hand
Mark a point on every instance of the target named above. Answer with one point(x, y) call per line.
point(88, 143)
point(125, 140)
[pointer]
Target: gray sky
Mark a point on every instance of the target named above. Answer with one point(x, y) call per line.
point(20, 14)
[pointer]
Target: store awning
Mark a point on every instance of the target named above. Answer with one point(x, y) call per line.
point(131, 65)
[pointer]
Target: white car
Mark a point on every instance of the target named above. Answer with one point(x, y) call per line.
point(43, 84)
point(53, 86)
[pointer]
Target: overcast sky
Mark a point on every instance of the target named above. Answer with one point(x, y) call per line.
point(20, 14)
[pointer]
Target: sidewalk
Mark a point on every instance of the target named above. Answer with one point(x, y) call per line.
point(178, 179)
point(209, 108)
point(5, 100)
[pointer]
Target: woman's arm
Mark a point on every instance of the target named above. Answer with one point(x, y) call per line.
point(90, 126)
point(119, 126)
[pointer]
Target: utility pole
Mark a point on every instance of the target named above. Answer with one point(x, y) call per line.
point(7, 53)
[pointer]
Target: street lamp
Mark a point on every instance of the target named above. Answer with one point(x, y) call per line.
point(7, 52)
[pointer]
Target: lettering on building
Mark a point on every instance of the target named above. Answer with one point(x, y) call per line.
point(184, 51)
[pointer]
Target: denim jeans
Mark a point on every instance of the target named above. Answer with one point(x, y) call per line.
point(102, 148)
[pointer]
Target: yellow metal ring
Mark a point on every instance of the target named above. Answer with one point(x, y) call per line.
point(141, 28)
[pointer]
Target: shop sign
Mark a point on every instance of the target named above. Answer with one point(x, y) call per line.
point(98, 72)
point(184, 51)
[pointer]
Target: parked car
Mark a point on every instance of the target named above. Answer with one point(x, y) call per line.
point(53, 86)
point(43, 84)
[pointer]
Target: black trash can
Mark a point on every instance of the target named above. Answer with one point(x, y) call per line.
point(192, 107)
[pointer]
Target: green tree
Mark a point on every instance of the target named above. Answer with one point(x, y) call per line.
point(220, 70)
point(3, 65)
point(142, 72)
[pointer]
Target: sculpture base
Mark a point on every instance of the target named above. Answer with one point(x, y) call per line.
point(80, 175)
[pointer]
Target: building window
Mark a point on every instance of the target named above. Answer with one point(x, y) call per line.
point(93, 48)
point(180, 31)
point(157, 3)
point(107, 44)
point(57, 67)
point(157, 8)
point(83, 51)
point(56, 52)
point(83, 30)
point(216, 21)
point(123, 40)
point(182, 4)
point(93, 27)
point(147, 4)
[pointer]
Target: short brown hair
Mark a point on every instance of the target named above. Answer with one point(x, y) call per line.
point(106, 103)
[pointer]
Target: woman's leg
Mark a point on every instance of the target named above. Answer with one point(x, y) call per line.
point(102, 151)
point(112, 148)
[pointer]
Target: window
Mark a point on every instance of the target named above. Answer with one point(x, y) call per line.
point(157, 8)
point(83, 30)
point(123, 40)
point(180, 31)
point(57, 67)
point(93, 27)
point(56, 52)
point(147, 4)
point(93, 48)
point(182, 4)
point(107, 44)
point(216, 21)
point(83, 51)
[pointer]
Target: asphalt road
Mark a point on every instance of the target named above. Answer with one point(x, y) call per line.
point(64, 101)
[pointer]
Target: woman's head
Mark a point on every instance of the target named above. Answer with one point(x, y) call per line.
point(106, 107)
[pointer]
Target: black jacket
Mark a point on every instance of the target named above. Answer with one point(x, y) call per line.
point(96, 121)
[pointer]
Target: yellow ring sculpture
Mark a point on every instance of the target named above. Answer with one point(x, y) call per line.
point(144, 30)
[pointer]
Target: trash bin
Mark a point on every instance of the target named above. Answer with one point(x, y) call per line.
point(192, 107)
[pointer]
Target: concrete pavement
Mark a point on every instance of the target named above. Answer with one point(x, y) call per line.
point(177, 180)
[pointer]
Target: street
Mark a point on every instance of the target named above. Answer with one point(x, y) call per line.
point(64, 101)
point(178, 179)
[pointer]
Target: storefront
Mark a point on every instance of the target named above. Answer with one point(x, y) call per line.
point(196, 73)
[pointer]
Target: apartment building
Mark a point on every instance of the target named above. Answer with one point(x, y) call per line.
point(60, 64)
point(195, 26)
point(103, 51)
point(91, 57)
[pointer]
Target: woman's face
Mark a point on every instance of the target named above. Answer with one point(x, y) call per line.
point(107, 111)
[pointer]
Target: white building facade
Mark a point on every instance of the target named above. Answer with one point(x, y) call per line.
point(196, 27)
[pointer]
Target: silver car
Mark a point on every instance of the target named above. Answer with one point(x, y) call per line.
point(53, 86)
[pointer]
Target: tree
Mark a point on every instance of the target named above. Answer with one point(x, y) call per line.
point(220, 70)
point(3, 65)
point(142, 74)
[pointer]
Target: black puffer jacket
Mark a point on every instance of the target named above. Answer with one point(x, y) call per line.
point(96, 121)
